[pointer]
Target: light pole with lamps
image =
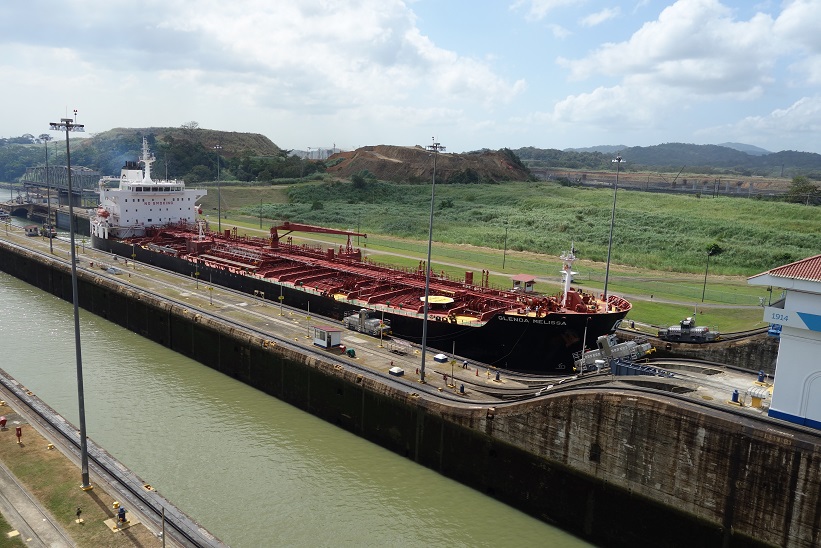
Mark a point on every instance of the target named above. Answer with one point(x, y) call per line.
point(504, 253)
point(617, 161)
point(69, 125)
point(218, 147)
point(45, 137)
point(713, 250)
point(435, 148)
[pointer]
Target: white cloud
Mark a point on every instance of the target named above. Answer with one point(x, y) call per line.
point(600, 17)
point(538, 9)
point(797, 27)
point(694, 44)
point(559, 31)
point(367, 52)
point(801, 120)
point(609, 107)
point(313, 56)
point(694, 52)
point(367, 71)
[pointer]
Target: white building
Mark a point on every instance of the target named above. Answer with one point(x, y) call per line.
point(797, 388)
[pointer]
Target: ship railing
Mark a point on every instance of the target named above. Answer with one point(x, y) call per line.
point(163, 249)
point(239, 252)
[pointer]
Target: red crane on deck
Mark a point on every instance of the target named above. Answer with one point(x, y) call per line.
point(289, 227)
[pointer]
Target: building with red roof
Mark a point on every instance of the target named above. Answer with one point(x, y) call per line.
point(797, 388)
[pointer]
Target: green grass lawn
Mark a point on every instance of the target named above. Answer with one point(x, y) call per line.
point(659, 247)
point(655, 232)
point(55, 481)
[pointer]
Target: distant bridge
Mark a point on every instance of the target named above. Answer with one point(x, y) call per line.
point(38, 181)
point(82, 178)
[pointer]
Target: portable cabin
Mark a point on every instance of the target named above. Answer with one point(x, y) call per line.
point(327, 336)
point(523, 283)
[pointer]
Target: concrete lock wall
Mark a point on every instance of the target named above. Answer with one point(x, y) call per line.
point(620, 467)
point(755, 354)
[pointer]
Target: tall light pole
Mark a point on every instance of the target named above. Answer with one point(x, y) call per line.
point(218, 147)
point(45, 137)
point(714, 250)
point(504, 253)
point(69, 125)
point(617, 161)
point(435, 148)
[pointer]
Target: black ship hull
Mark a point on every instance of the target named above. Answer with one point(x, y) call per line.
point(537, 345)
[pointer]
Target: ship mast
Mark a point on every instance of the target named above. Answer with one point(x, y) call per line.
point(569, 257)
point(147, 159)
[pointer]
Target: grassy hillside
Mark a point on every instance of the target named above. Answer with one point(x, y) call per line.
point(657, 232)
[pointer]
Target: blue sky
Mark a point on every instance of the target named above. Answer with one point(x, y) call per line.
point(472, 74)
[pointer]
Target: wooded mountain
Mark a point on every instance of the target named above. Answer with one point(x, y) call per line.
point(189, 152)
point(673, 156)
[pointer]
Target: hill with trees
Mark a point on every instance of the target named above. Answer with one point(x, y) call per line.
point(672, 156)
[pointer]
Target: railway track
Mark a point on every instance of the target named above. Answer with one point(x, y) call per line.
point(742, 334)
point(43, 533)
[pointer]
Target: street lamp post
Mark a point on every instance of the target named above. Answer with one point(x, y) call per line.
point(435, 148)
point(617, 161)
point(45, 137)
point(69, 125)
point(504, 253)
point(218, 147)
point(711, 251)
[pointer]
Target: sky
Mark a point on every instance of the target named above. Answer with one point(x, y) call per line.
point(469, 74)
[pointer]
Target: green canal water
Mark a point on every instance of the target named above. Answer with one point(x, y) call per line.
point(251, 469)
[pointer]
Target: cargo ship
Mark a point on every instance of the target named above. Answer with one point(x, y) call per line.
point(161, 223)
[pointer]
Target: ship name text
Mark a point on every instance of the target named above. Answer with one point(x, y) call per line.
point(539, 321)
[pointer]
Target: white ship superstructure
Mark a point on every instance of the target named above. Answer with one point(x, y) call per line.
point(140, 202)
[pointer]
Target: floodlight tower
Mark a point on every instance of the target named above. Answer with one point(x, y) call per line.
point(436, 148)
point(68, 125)
point(217, 148)
point(617, 160)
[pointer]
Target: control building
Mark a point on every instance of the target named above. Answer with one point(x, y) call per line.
point(797, 388)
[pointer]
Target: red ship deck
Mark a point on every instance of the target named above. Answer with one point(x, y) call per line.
point(342, 275)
